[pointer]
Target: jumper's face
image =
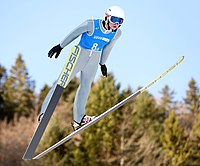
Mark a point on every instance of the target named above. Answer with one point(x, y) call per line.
point(114, 26)
point(115, 22)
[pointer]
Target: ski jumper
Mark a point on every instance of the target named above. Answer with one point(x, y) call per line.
point(96, 43)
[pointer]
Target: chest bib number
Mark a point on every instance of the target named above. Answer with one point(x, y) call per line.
point(95, 47)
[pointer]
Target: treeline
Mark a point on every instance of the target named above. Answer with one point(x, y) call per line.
point(145, 132)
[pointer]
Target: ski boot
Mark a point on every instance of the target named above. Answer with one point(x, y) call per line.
point(86, 119)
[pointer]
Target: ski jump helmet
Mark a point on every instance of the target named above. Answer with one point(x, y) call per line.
point(114, 14)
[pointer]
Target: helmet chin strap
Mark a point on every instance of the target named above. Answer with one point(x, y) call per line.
point(106, 22)
point(108, 25)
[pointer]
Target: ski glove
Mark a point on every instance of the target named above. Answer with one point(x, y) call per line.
point(104, 70)
point(55, 50)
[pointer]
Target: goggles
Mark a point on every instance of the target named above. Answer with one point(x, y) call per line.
point(114, 20)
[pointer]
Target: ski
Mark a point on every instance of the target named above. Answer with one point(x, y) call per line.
point(51, 101)
point(115, 107)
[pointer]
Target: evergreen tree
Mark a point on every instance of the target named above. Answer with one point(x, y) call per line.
point(3, 76)
point(145, 108)
point(145, 126)
point(43, 93)
point(192, 99)
point(194, 158)
point(167, 102)
point(174, 143)
point(19, 90)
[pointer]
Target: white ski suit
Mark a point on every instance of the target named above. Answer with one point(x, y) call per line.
point(89, 58)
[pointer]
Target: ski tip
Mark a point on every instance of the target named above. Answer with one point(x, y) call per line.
point(35, 158)
point(180, 59)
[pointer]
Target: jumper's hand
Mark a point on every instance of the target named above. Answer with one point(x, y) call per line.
point(55, 50)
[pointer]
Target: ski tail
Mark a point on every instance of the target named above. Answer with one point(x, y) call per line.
point(115, 107)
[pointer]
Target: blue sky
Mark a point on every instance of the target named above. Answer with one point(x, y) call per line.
point(155, 34)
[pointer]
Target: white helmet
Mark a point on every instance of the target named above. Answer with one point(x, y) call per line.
point(115, 11)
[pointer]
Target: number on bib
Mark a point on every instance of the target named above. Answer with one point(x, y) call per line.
point(95, 47)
